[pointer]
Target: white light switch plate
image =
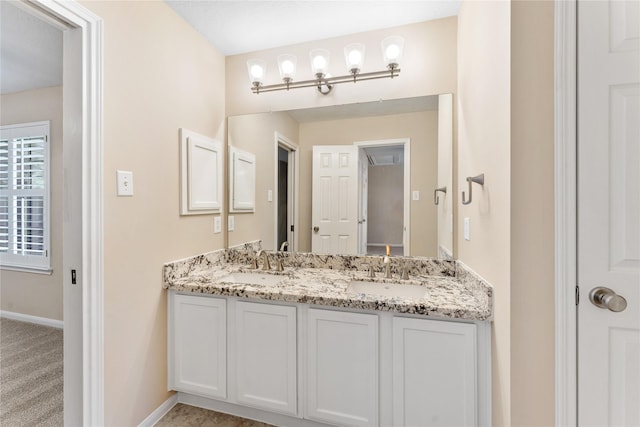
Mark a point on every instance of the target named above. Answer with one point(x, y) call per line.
point(270, 196)
point(217, 224)
point(125, 183)
point(231, 222)
point(466, 229)
point(416, 195)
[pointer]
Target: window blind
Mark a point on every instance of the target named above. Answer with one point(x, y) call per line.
point(24, 195)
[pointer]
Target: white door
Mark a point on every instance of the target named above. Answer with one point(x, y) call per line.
point(342, 368)
point(609, 212)
point(334, 217)
point(363, 202)
point(266, 356)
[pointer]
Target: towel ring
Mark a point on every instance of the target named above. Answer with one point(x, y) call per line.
point(479, 179)
point(436, 199)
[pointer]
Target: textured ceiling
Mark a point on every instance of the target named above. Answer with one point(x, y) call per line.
point(243, 26)
point(30, 51)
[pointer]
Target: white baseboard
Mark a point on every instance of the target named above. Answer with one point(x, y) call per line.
point(160, 412)
point(32, 319)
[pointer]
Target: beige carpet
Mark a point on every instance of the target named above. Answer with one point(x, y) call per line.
point(31, 379)
point(183, 415)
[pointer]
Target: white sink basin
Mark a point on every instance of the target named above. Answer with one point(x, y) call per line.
point(252, 278)
point(386, 289)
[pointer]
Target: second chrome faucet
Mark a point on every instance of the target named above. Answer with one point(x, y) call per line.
point(265, 260)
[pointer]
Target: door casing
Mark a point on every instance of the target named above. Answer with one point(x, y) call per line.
point(565, 157)
point(82, 133)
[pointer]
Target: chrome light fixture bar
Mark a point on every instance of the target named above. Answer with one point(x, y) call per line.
point(354, 57)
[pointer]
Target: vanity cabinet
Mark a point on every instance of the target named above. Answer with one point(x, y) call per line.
point(434, 373)
point(298, 365)
point(265, 354)
point(198, 345)
point(342, 368)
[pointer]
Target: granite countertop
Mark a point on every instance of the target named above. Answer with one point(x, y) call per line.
point(458, 295)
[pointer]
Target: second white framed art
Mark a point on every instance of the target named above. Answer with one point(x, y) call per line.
point(242, 181)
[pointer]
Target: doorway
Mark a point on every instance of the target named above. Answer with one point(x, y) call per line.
point(383, 197)
point(286, 177)
point(82, 199)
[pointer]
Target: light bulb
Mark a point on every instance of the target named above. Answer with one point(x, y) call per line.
point(319, 62)
point(355, 57)
point(257, 72)
point(392, 47)
point(392, 51)
point(287, 67)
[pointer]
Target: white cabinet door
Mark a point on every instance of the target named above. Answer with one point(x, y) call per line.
point(198, 344)
point(342, 368)
point(266, 357)
point(434, 373)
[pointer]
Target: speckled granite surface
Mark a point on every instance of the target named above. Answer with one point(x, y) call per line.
point(453, 291)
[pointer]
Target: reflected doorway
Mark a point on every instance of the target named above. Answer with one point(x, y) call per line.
point(382, 193)
point(383, 187)
point(286, 185)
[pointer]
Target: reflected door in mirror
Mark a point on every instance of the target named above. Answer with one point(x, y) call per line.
point(335, 202)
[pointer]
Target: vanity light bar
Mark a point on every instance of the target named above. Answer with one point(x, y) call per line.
point(354, 56)
point(325, 84)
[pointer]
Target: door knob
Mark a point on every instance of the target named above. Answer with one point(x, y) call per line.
point(316, 229)
point(603, 297)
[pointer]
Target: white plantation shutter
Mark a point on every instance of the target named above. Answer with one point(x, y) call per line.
point(24, 195)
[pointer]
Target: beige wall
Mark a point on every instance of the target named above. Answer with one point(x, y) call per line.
point(428, 68)
point(421, 128)
point(484, 147)
point(255, 133)
point(159, 75)
point(532, 214)
point(30, 293)
point(385, 203)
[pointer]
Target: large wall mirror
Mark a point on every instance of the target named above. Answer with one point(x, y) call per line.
point(350, 179)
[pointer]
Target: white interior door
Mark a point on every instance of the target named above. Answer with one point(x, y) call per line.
point(334, 212)
point(609, 212)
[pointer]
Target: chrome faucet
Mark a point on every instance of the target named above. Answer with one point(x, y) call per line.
point(405, 271)
point(284, 245)
point(372, 272)
point(387, 267)
point(265, 260)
